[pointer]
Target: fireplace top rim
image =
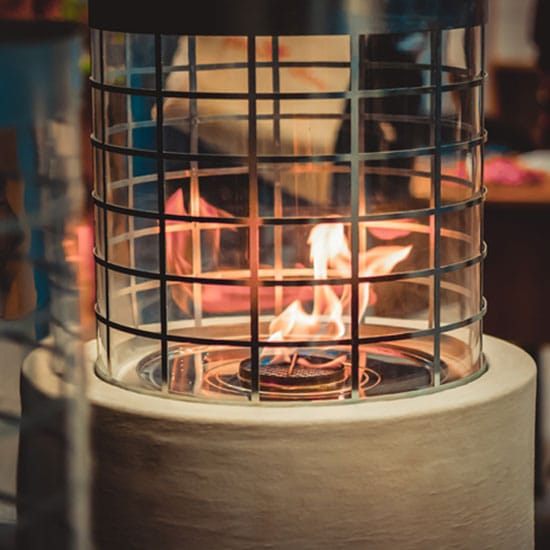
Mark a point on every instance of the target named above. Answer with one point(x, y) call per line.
point(287, 17)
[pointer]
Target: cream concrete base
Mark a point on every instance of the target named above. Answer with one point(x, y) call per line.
point(451, 470)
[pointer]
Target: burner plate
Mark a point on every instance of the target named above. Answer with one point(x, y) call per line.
point(279, 375)
point(384, 370)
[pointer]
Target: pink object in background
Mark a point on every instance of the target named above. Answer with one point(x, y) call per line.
point(508, 171)
point(505, 171)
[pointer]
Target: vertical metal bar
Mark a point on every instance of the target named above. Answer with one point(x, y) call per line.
point(102, 60)
point(481, 168)
point(130, 186)
point(254, 251)
point(362, 191)
point(435, 222)
point(469, 52)
point(278, 197)
point(195, 189)
point(355, 184)
point(161, 198)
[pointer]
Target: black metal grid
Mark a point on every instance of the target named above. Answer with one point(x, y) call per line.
point(358, 218)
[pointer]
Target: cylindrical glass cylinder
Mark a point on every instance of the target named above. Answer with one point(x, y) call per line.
point(288, 207)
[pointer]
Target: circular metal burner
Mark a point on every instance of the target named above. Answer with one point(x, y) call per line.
point(304, 371)
point(221, 381)
point(384, 370)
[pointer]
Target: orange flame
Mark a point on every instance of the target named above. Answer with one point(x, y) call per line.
point(329, 251)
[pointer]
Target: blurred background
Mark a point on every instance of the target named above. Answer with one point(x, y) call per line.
point(517, 213)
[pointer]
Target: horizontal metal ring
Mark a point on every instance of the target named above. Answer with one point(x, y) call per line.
point(289, 96)
point(408, 335)
point(287, 159)
point(292, 282)
point(478, 198)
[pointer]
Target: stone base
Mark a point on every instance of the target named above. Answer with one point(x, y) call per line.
point(452, 469)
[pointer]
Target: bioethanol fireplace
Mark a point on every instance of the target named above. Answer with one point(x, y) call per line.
point(288, 197)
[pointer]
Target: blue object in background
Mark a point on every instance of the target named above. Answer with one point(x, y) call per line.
point(40, 100)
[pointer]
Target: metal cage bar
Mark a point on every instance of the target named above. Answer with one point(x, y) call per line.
point(355, 200)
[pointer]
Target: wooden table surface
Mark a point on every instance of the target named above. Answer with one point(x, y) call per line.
point(535, 194)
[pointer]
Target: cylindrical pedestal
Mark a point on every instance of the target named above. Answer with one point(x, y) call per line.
point(452, 469)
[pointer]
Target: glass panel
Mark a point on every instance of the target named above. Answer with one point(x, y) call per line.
point(223, 195)
point(405, 240)
point(119, 190)
point(210, 311)
point(228, 77)
point(114, 58)
point(102, 349)
point(399, 303)
point(130, 357)
point(97, 119)
point(99, 232)
point(300, 127)
point(208, 372)
point(395, 185)
point(129, 59)
point(395, 123)
point(461, 117)
point(461, 351)
point(97, 160)
point(207, 250)
point(392, 61)
point(131, 303)
point(95, 54)
point(216, 63)
point(177, 192)
point(140, 60)
point(126, 190)
point(460, 177)
point(217, 126)
point(477, 164)
point(215, 190)
point(302, 64)
point(460, 296)
point(100, 289)
point(460, 235)
point(131, 121)
point(462, 54)
point(304, 190)
point(395, 367)
point(135, 247)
